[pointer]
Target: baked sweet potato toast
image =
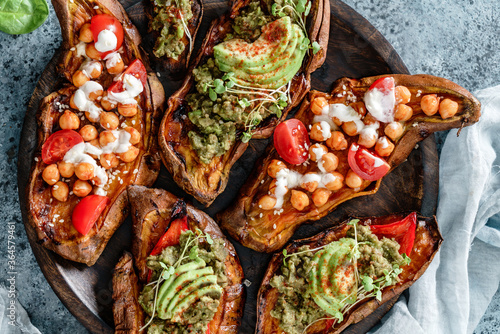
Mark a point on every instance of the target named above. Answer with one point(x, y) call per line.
point(173, 26)
point(231, 92)
point(156, 214)
point(96, 133)
point(345, 143)
point(364, 281)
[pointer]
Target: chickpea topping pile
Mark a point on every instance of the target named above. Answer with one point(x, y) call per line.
point(98, 133)
point(330, 142)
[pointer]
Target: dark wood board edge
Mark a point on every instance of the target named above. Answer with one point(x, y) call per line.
point(47, 260)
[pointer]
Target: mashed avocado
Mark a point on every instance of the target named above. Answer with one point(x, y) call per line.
point(196, 309)
point(301, 280)
point(168, 20)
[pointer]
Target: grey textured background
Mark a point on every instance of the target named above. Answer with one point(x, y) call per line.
point(456, 39)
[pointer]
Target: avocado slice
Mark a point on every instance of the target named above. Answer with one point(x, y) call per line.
point(237, 53)
point(213, 289)
point(188, 267)
point(188, 289)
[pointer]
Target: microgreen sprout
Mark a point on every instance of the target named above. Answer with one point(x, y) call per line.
point(184, 25)
point(167, 271)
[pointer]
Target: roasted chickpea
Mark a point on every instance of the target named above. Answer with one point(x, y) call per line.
point(84, 171)
point(81, 188)
point(310, 185)
point(127, 110)
point(135, 135)
point(368, 138)
point(90, 118)
point(403, 113)
point(109, 160)
point(299, 200)
point(86, 35)
point(69, 121)
point(116, 68)
point(88, 132)
point(106, 104)
point(337, 121)
point(317, 133)
point(51, 174)
point(130, 155)
point(337, 141)
point(429, 104)
point(109, 120)
point(369, 119)
point(96, 70)
point(330, 162)
point(274, 167)
point(96, 181)
point(318, 104)
point(95, 94)
point(320, 196)
point(267, 202)
point(350, 128)
point(79, 78)
point(448, 108)
point(353, 180)
point(72, 102)
point(317, 149)
point(106, 137)
point(334, 181)
point(384, 147)
point(403, 94)
point(66, 169)
point(92, 52)
point(394, 130)
point(359, 107)
point(60, 191)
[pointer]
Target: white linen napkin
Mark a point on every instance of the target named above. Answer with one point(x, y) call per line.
point(13, 317)
point(456, 289)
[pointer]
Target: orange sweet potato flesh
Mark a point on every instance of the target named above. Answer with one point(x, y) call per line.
point(151, 211)
point(206, 181)
point(50, 218)
point(427, 242)
point(265, 231)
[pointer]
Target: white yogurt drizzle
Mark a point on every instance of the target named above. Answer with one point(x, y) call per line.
point(112, 59)
point(132, 88)
point(106, 41)
point(82, 101)
point(89, 66)
point(325, 129)
point(380, 105)
point(80, 49)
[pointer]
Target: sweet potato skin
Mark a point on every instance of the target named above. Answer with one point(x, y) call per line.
point(147, 203)
point(70, 245)
point(259, 236)
point(427, 242)
point(206, 182)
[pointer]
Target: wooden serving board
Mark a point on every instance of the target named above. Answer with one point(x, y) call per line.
point(356, 49)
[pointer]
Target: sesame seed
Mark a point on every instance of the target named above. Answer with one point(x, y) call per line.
point(56, 216)
point(274, 226)
point(125, 172)
point(260, 215)
point(73, 49)
point(133, 122)
point(61, 220)
point(136, 171)
point(56, 186)
point(121, 181)
point(96, 7)
point(36, 159)
point(158, 74)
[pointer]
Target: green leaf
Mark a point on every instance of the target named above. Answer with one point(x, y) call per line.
point(285, 253)
point(274, 8)
point(367, 282)
point(379, 295)
point(163, 265)
point(193, 253)
point(212, 94)
point(301, 6)
point(209, 239)
point(22, 16)
point(316, 47)
point(245, 138)
point(220, 89)
point(229, 84)
point(353, 222)
point(278, 113)
point(228, 75)
point(244, 102)
point(308, 8)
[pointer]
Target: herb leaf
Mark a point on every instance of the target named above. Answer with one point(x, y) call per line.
point(22, 16)
point(316, 47)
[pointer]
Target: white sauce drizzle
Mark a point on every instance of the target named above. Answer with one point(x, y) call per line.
point(112, 59)
point(80, 49)
point(132, 88)
point(89, 66)
point(383, 141)
point(82, 101)
point(380, 105)
point(106, 41)
point(325, 129)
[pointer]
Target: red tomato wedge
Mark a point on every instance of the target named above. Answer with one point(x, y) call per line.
point(291, 141)
point(102, 22)
point(171, 237)
point(135, 68)
point(385, 85)
point(366, 164)
point(58, 144)
point(402, 231)
point(87, 211)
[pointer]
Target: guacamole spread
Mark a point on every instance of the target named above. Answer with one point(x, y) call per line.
point(246, 81)
point(171, 21)
point(186, 285)
point(317, 284)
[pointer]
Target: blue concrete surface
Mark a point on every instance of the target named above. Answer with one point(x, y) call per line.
point(456, 39)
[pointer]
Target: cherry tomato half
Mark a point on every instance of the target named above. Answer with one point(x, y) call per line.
point(291, 141)
point(403, 231)
point(135, 68)
point(366, 164)
point(385, 85)
point(87, 211)
point(171, 236)
point(101, 22)
point(58, 144)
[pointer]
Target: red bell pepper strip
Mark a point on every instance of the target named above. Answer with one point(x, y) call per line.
point(402, 231)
